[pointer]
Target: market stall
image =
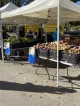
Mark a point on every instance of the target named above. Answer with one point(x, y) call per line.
point(48, 11)
point(8, 7)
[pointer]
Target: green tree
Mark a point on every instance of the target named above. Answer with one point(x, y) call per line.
point(1, 3)
point(74, 0)
point(16, 2)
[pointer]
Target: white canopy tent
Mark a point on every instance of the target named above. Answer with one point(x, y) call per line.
point(49, 11)
point(46, 9)
point(8, 7)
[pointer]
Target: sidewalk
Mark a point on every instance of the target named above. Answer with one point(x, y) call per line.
point(20, 86)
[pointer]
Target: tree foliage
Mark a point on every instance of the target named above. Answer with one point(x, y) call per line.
point(74, 0)
point(16, 2)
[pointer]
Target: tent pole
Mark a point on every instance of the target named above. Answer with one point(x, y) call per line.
point(41, 31)
point(67, 26)
point(45, 33)
point(45, 36)
point(16, 29)
point(2, 48)
point(58, 23)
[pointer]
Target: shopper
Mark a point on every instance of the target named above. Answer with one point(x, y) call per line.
point(30, 32)
point(54, 34)
point(5, 35)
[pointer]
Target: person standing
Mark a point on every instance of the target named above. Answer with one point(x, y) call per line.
point(54, 35)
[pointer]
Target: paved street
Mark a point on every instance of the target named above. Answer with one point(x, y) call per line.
point(20, 86)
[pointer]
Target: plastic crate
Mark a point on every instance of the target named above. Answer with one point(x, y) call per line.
point(43, 53)
point(74, 58)
point(19, 53)
point(71, 58)
point(53, 54)
point(65, 56)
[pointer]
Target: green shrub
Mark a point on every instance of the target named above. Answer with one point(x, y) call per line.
point(14, 40)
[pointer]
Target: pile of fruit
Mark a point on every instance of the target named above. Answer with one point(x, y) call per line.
point(53, 45)
point(74, 50)
point(70, 45)
point(43, 46)
point(69, 50)
point(73, 41)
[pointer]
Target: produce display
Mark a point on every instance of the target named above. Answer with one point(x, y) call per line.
point(16, 40)
point(43, 46)
point(20, 42)
point(75, 50)
point(69, 47)
point(73, 41)
point(53, 45)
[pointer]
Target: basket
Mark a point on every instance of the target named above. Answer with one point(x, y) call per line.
point(74, 58)
point(53, 54)
point(71, 58)
point(65, 56)
point(19, 53)
point(43, 53)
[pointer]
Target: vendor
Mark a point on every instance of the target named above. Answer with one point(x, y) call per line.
point(4, 33)
point(54, 34)
point(30, 32)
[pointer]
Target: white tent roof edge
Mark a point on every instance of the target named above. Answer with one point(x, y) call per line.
point(8, 7)
point(36, 6)
point(20, 10)
point(70, 5)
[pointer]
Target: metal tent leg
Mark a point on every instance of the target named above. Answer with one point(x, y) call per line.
point(70, 81)
point(37, 66)
point(47, 69)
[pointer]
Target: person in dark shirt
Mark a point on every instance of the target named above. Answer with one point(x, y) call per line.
point(54, 35)
point(4, 33)
point(30, 32)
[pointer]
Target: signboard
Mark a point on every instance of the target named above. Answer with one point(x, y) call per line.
point(31, 51)
point(7, 48)
point(51, 27)
point(47, 27)
point(33, 28)
point(6, 44)
point(32, 56)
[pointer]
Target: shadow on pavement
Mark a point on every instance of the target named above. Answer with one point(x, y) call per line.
point(29, 87)
point(72, 78)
